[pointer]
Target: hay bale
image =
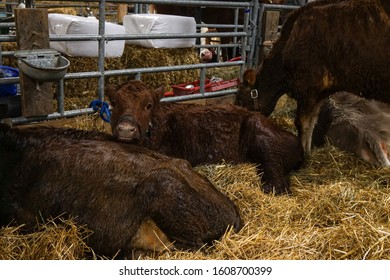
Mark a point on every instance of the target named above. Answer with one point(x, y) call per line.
point(67, 11)
point(139, 57)
point(225, 73)
point(134, 57)
point(9, 61)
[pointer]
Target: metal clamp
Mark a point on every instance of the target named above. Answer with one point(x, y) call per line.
point(254, 93)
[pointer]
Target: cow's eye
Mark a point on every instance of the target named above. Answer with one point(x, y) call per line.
point(113, 104)
point(148, 106)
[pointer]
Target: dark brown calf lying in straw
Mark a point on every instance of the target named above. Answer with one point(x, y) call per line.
point(128, 196)
point(204, 134)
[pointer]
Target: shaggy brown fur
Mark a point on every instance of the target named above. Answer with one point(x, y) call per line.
point(123, 193)
point(204, 134)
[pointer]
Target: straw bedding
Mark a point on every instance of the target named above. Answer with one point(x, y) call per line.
point(65, 241)
point(340, 209)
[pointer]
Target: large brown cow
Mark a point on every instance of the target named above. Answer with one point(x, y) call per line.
point(356, 125)
point(324, 47)
point(124, 193)
point(204, 134)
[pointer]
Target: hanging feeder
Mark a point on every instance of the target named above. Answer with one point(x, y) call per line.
point(42, 65)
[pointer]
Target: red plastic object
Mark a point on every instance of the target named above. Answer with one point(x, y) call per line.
point(235, 58)
point(168, 94)
point(194, 87)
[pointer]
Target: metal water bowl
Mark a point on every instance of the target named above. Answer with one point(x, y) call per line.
point(43, 65)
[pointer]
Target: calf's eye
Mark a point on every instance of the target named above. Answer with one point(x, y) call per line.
point(149, 106)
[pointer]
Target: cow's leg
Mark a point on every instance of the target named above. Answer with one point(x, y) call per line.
point(307, 116)
point(274, 179)
point(264, 145)
point(186, 215)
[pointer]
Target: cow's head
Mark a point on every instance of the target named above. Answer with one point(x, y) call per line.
point(247, 95)
point(132, 107)
point(259, 92)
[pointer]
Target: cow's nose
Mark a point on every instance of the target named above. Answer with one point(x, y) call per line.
point(127, 129)
point(126, 126)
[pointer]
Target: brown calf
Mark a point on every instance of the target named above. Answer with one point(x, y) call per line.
point(128, 196)
point(204, 134)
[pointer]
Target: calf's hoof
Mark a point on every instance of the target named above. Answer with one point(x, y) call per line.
point(271, 189)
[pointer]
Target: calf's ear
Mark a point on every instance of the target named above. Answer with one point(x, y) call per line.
point(249, 77)
point(158, 94)
point(110, 91)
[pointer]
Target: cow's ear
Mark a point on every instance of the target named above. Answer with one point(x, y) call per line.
point(249, 77)
point(158, 93)
point(110, 91)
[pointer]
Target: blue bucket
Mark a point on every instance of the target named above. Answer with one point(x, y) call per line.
point(9, 89)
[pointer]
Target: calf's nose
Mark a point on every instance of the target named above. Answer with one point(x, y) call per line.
point(126, 127)
point(127, 131)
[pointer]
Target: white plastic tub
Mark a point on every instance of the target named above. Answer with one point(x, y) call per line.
point(76, 25)
point(160, 24)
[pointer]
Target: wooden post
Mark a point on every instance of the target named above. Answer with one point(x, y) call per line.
point(271, 25)
point(32, 32)
point(121, 12)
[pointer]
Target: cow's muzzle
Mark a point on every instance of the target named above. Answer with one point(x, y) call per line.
point(127, 130)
